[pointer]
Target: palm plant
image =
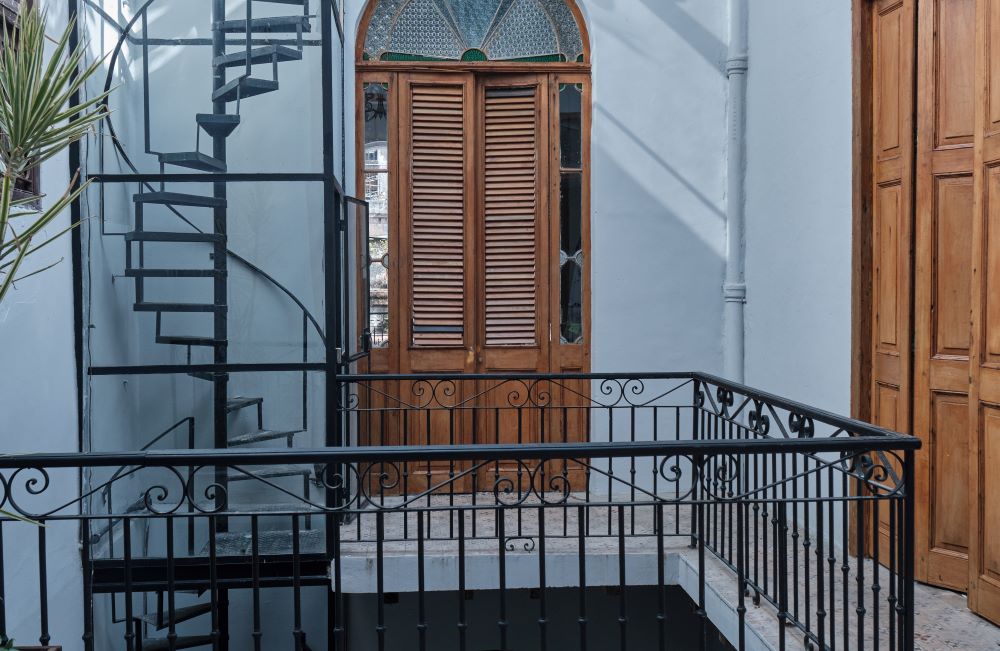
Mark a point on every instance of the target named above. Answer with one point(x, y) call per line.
point(37, 121)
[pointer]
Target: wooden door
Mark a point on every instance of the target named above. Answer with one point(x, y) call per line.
point(436, 244)
point(942, 337)
point(984, 411)
point(512, 238)
point(893, 33)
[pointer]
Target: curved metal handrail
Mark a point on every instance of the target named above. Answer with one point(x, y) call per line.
point(123, 36)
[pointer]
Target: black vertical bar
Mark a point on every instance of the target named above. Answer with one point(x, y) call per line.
point(213, 581)
point(782, 553)
point(860, 541)
point(127, 568)
point(876, 583)
point(421, 584)
point(582, 562)
point(297, 633)
point(88, 587)
point(699, 464)
point(543, 628)
point(909, 555)
point(255, 581)
point(622, 585)
point(43, 586)
point(380, 577)
point(171, 602)
point(741, 583)
point(462, 626)
point(502, 552)
point(3, 602)
point(339, 624)
point(820, 584)
point(661, 592)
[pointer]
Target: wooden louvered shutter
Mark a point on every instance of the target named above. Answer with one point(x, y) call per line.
point(438, 214)
point(510, 216)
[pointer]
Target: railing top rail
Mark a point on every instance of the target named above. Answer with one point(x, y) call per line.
point(511, 452)
point(854, 426)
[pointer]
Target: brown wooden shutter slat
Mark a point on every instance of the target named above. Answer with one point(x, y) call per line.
point(510, 201)
point(438, 214)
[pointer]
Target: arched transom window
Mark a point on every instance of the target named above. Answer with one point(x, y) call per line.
point(473, 30)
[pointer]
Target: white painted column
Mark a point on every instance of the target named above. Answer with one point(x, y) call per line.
point(734, 289)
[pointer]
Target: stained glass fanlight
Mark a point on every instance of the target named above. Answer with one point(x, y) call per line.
point(473, 30)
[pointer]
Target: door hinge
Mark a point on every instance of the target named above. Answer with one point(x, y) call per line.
point(550, 332)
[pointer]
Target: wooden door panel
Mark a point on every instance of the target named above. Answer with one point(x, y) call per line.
point(893, 33)
point(944, 213)
point(984, 398)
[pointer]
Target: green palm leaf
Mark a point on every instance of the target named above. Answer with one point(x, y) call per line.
point(37, 121)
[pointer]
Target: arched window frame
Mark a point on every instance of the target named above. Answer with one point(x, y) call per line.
point(372, 64)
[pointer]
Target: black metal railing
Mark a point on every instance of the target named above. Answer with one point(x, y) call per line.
point(784, 524)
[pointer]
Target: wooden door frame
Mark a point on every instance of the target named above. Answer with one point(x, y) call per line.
point(562, 357)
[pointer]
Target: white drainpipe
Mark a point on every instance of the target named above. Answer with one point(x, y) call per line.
point(735, 289)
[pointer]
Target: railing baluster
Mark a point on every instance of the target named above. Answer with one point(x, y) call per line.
point(43, 585)
point(502, 557)
point(380, 578)
point(298, 634)
point(462, 620)
point(543, 629)
point(257, 634)
point(127, 569)
point(661, 591)
point(171, 600)
point(581, 542)
point(622, 583)
point(421, 586)
point(213, 580)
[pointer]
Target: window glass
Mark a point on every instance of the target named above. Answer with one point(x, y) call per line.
point(494, 30)
point(376, 179)
point(570, 258)
point(570, 121)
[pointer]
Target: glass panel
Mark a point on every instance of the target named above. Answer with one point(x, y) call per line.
point(544, 30)
point(570, 122)
point(376, 175)
point(571, 302)
point(570, 258)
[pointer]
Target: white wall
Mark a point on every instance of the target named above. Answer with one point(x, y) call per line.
point(38, 413)
point(798, 225)
point(658, 181)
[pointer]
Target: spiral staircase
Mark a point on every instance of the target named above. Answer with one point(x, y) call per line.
point(239, 74)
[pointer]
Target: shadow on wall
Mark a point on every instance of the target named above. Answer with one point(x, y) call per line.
point(673, 14)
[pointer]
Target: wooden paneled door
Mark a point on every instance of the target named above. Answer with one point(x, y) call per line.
point(942, 338)
point(892, 165)
point(935, 181)
point(984, 411)
point(475, 273)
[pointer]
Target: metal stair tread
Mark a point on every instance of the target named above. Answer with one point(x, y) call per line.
point(269, 472)
point(193, 160)
point(162, 619)
point(179, 199)
point(218, 124)
point(145, 272)
point(181, 642)
point(239, 402)
point(273, 24)
point(274, 541)
point(264, 54)
point(243, 87)
point(261, 435)
point(189, 340)
point(172, 236)
point(146, 306)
